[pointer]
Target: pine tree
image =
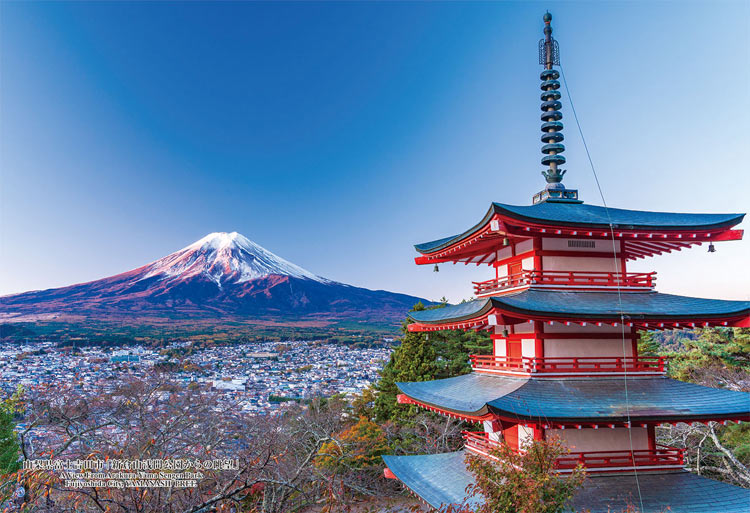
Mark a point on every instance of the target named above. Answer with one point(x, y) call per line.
point(413, 360)
point(648, 345)
point(424, 357)
point(714, 348)
point(9, 448)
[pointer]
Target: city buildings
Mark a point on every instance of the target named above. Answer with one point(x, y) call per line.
point(253, 376)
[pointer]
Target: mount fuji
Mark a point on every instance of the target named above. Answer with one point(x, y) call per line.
point(220, 275)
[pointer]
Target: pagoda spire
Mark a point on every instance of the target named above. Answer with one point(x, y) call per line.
point(552, 136)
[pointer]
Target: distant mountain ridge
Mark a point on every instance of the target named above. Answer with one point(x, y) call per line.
point(222, 274)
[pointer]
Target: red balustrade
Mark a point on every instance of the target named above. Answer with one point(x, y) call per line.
point(569, 365)
point(504, 282)
point(662, 456)
point(479, 442)
point(587, 279)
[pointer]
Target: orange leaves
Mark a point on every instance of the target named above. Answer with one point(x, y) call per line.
point(358, 446)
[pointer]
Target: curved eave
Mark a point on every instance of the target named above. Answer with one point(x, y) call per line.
point(463, 312)
point(476, 244)
point(480, 415)
point(437, 245)
point(650, 310)
point(553, 403)
point(465, 396)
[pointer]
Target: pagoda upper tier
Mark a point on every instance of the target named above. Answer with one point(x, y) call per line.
point(638, 233)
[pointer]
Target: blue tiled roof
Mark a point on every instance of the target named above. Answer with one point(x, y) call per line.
point(461, 311)
point(604, 305)
point(439, 479)
point(592, 216)
point(604, 398)
point(469, 393)
point(578, 399)
point(442, 479)
point(675, 492)
point(428, 247)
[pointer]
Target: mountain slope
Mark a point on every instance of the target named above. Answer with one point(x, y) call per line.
point(222, 274)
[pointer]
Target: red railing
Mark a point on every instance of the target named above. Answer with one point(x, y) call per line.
point(479, 441)
point(662, 456)
point(566, 278)
point(504, 282)
point(569, 365)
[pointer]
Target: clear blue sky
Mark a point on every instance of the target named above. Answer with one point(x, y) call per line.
point(338, 134)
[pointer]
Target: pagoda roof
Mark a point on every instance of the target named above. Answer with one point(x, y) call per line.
point(647, 233)
point(581, 215)
point(441, 479)
point(578, 400)
point(545, 304)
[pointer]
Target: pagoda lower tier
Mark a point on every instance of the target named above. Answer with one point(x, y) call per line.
point(441, 479)
point(644, 310)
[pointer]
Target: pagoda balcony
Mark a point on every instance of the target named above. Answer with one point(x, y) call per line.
point(566, 279)
point(662, 457)
point(555, 367)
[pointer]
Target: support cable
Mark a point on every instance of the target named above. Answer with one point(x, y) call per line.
point(619, 291)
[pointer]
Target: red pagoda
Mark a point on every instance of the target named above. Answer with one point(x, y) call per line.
point(565, 315)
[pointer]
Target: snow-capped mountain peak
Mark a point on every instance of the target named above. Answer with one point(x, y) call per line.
point(225, 258)
point(221, 276)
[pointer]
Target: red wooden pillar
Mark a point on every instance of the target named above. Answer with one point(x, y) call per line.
point(510, 435)
point(538, 339)
point(651, 437)
point(537, 249)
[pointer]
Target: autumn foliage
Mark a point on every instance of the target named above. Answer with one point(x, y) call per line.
point(359, 446)
point(523, 481)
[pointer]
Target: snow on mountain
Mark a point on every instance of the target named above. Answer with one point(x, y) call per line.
point(221, 276)
point(225, 257)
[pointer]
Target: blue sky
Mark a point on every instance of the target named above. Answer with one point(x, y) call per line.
point(338, 134)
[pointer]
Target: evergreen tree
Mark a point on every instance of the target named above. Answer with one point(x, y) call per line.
point(714, 348)
point(413, 360)
point(9, 448)
point(424, 357)
point(648, 345)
